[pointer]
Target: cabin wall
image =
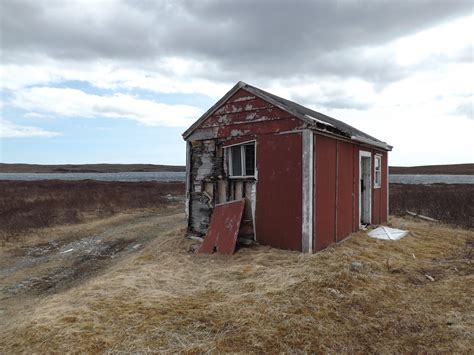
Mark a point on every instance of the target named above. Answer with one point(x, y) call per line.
point(243, 118)
point(336, 199)
point(345, 190)
point(275, 195)
point(380, 195)
point(325, 191)
point(279, 191)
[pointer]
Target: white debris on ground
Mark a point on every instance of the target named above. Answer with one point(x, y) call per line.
point(387, 233)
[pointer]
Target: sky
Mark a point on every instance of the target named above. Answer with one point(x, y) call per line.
point(120, 81)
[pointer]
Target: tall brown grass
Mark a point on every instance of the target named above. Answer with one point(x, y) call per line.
point(26, 205)
point(263, 300)
point(449, 203)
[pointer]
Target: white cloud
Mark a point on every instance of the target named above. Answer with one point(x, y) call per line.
point(409, 83)
point(442, 40)
point(164, 77)
point(11, 130)
point(68, 102)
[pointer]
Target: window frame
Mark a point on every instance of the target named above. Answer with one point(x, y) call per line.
point(242, 160)
point(377, 184)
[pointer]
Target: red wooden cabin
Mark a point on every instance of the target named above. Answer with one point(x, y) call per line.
point(309, 180)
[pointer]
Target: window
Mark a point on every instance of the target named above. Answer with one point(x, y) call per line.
point(242, 160)
point(378, 171)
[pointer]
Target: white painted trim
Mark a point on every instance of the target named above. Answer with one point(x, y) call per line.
point(365, 154)
point(242, 160)
point(308, 197)
point(388, 194)
point(188, 181)
point(241, 143)
point(315, 200)
point(379, 185)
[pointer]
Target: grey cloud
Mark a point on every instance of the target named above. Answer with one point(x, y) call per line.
point(260, 39)
point(465, 109)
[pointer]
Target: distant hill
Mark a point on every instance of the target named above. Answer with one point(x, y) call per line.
point(87, 168)
point(454, 169)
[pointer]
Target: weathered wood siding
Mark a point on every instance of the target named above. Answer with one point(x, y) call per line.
point(242, 118)
point(336, 197)
point(279, 191)
point(274, 198)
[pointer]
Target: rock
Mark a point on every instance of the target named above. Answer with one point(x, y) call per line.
point(356, 266)
point(194, 248)
point(336, 293)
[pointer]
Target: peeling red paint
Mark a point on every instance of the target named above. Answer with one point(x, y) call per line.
point(325, 196)
point(278, 211)
point(279, 191)
point(224, 228)
point(345, 191)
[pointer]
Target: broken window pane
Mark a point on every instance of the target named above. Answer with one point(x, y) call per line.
point(250, 160)
point(236, 160)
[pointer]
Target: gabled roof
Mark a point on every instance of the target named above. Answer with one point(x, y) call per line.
point(314, 119)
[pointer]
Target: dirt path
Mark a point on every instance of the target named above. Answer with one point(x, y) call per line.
point(55, 259)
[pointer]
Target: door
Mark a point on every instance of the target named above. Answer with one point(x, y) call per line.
point(365, 188)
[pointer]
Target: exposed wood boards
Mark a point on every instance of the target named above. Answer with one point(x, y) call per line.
point(188, 180)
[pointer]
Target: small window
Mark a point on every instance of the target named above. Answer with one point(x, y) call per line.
point(378, 171)
point(242, 160)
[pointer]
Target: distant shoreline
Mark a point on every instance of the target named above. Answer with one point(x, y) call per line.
point(454, 169)
point(88, 168)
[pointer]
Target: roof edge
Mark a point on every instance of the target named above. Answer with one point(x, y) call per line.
point(382, 145)
point(261, 94)
point(213, 108)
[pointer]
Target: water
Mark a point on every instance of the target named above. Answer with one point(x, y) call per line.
point(180, 176)
point(124, 176)
point(431, 179)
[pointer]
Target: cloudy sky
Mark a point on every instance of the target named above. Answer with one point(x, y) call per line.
point(119, 81)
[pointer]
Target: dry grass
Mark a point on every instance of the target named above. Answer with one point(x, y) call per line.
point(27, 205)
point(266, 300)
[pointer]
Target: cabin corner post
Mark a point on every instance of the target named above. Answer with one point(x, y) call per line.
point(188, 181)
point(388, 185)
point(308, 196)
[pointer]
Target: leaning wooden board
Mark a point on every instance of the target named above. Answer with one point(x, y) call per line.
point(223, 230)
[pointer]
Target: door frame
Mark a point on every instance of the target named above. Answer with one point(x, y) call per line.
point(364, 155)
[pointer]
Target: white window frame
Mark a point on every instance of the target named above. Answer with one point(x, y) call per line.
point(377, 184)
point(242, 154)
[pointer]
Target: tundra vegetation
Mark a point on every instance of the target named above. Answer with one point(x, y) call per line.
point(26, 205)
point(127, 280)
point(449, 203)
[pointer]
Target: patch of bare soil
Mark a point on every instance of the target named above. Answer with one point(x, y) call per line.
point(363, 295)
point(32, 268)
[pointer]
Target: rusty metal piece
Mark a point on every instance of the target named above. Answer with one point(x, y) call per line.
point(222, 233)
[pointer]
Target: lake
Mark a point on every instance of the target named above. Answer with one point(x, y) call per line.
point(180, 176)
point(125, 176)
point(431, 179)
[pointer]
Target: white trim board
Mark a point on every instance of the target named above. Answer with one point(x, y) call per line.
point(308, 194)
point(365, 154)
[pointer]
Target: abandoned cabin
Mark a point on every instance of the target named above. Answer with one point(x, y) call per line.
point(308, 180)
